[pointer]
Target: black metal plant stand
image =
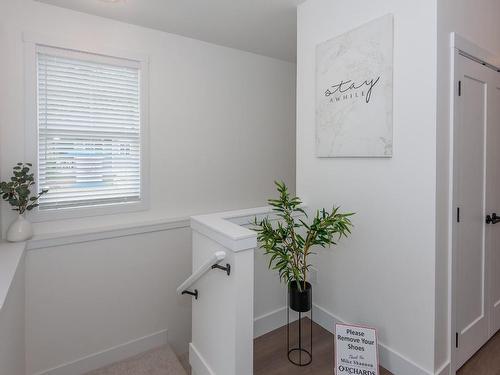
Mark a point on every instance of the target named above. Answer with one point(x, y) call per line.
point(304, 355)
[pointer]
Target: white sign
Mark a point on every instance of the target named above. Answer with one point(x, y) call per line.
point(356, 350)
point(354, 92)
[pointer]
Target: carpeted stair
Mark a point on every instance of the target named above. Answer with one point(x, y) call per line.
point(160, 361)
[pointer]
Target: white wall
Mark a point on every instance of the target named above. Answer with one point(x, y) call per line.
point(87, 297)
point(477, 21)
point(222, 315)
point(222, 129)
point(221, 119)
point(383, 275)
point(270, 293)
point(12, 328)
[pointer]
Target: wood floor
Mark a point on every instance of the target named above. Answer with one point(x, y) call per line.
point(270, 356)
point(486, 361)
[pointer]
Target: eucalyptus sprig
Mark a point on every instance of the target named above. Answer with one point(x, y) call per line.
point(283, 242)
point(17, 191)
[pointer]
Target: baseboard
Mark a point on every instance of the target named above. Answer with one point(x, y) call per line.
point(271, 321)
point(444, 369)
point(389, 358)
point(109, 356)
point(198, 364)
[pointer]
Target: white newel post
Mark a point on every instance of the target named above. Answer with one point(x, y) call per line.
point(222, 317)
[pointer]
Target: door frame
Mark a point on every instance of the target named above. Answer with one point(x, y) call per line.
point(460, 48)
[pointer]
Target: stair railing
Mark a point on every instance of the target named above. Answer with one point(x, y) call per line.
point(212, 263)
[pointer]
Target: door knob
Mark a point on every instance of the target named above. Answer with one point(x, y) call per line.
point(493, 219)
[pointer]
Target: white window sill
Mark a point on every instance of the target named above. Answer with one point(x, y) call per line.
point(10, 259)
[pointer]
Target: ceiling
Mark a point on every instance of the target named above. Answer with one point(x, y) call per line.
point(266, 27)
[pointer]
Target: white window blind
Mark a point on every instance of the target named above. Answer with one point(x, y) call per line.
point(89, 130)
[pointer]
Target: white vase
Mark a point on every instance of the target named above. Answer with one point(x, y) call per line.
point(19, 230)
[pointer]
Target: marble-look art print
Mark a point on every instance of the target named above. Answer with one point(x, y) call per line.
point(354, 92)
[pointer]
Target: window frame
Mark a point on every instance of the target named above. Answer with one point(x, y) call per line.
point(71, 48)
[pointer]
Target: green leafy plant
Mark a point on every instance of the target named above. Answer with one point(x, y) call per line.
point(17, 191)
point(287, 247)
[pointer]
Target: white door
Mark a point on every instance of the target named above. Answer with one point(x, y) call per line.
point(476, 194)
point(493, 201)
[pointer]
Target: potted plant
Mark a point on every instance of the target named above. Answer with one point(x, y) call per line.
point(17, 192)
point(289, 243)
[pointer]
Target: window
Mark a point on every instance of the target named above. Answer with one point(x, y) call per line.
point(90, 134)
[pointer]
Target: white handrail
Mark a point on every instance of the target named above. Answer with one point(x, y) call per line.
point(215, 259)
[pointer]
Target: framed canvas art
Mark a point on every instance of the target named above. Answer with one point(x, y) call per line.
point(354, 92)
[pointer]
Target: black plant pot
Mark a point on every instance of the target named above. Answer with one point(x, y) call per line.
point(300, 301)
